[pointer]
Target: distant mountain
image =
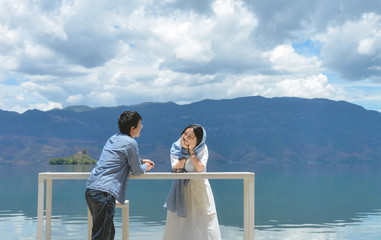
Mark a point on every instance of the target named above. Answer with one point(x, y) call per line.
point(239, 131)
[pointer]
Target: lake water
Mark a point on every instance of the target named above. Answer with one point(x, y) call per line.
point(295, 202)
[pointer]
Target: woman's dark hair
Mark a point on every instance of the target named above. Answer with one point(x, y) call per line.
point(198, 131)
point(127, 120)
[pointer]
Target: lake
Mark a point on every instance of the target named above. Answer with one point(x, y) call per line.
point(305, 201)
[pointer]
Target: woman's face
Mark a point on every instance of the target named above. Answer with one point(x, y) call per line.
point(188, 137)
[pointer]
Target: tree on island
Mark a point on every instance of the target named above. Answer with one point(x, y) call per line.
point(77, 158)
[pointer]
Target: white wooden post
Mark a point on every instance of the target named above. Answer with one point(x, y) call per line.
point(89, 224)
point(48, 230)
point(40, 207)
point(249, 208)
point(125, 220)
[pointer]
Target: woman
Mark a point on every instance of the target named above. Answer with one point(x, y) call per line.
point(191, 211)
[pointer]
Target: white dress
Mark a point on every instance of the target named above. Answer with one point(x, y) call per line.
point(201, 222)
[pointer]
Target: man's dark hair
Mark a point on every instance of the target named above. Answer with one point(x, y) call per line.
point(127, 120)
point(198, 132)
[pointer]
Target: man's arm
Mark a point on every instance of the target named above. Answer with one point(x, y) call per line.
point(137, 167)
point(133, 158)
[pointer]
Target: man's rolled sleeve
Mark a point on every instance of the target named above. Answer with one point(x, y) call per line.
point(137, 168)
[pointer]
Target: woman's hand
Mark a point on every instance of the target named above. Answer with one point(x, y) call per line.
point(183, 144)
point(192, 145)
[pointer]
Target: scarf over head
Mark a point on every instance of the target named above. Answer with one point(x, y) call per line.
point(177, 150)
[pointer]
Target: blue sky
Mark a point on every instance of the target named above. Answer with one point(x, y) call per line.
point(55, 54)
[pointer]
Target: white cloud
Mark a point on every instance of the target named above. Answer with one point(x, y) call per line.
point(102, 98)
point(20, 98)
point(352, 49)
point(371, 45)
point(315, 86)
point(285, 59)
point(187, 37)
point(46, 106)
point(193, 43)
point(59, 53)
point(74, 99)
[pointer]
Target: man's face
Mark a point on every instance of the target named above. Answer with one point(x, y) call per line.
point(135, 132)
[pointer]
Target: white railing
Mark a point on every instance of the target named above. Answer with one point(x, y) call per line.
point(248, 192)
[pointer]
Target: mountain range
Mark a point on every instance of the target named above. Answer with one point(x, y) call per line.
point(243, 130)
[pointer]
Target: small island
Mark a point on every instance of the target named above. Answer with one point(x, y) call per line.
point(81, 158)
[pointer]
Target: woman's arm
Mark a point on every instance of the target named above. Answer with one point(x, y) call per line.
point(175, 163)
point(198, 166)
point(179, 164)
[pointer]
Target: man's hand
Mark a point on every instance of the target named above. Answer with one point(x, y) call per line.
point(149, 164)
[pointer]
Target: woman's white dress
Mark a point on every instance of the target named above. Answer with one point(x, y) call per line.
point(201, 221)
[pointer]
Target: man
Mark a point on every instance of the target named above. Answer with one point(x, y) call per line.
point(108, 180)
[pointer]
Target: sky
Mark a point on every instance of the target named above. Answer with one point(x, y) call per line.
point(60, 53)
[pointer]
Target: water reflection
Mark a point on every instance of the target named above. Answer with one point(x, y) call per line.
point(292, 202)
point(310, 194)
point(366, 226)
